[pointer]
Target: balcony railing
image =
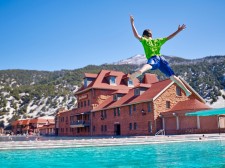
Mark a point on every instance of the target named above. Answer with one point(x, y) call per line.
point(79, 123)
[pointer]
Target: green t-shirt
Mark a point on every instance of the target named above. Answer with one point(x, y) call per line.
point(152, 46)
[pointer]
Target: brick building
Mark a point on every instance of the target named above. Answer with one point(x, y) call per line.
point(34, 125)
point(109, 103)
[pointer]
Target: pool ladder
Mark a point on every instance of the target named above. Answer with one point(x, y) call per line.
point(160, 132)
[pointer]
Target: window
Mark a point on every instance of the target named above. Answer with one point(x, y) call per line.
point(149, 107)
point(84, 103)
point(118, 111)
point(130, 126)
point(130, 82)
point(114, 112)
point(130, 110)
point(85, 82)
point(81, 104)
point(105, 115)
point(88, 102)
point(112, 80)
point(135, 126)
point(150, 126)
point(136, 92)
point(105, 128)
point(115, 97)
point(167, 104)
point(178, 91)
point(134, 107)
point(102, 128)
point(102, 115)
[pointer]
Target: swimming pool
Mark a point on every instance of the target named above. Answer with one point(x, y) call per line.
point(182, 154)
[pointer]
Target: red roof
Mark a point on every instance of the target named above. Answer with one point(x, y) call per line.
point(21, 122)
point(101, 81)
point(129, 98)
point(190, 105)
point(121, 91)
point(90, 75)
point(42, 120)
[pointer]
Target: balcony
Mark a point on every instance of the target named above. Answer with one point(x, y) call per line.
point(79, 123)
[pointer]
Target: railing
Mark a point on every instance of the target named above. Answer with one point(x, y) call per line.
point(80, 123)
point(160, 132)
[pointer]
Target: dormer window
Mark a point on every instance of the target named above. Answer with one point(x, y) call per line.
point(136, 91)
point(112, 80)
point(117, 96)
point(139, 91)
point(87, 81)
point(130, 83)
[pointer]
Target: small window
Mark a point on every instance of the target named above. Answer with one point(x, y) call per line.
point(178, 91)
point(118, 111)
point(84, 103)
point(102, 128)
point(130, 110)
point(102, 115)
point(115, 97)
point(85, 82)
point(136, 92)
point(134, 107)
point(149, 107)
point(114, 112)
point(105, 114)
point(105, 128)
point(168, 104)
point(88, 102)
point(150, 127)
point(112, 80)
point(130, 82)
point(135, 126)
point(130, 126)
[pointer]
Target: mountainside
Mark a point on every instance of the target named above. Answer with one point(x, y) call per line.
point(29, 93)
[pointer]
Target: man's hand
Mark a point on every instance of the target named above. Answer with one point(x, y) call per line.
point(134, 29)
point(181, 27)
point(131, 19)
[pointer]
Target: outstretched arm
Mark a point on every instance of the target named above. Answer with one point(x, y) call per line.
point(134, 29)
point(180, 28)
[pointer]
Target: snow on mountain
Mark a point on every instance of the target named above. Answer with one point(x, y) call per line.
point(138, 59)
point(220, 103)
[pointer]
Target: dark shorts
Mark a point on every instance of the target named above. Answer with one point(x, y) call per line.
point(159, 62)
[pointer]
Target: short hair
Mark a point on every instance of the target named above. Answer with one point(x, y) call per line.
point(147, 33)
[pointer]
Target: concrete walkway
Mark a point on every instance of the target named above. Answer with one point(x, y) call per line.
point(74, 142)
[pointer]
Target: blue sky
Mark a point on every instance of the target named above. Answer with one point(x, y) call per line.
point(70, 34)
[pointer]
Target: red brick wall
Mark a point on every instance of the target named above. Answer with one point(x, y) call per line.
point(141, 120)
point(209, 122)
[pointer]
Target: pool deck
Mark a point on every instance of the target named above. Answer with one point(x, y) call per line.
point(78, 142)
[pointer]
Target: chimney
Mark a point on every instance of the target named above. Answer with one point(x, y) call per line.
point(150, 78)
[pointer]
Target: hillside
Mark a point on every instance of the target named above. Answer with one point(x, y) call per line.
point(29, 93)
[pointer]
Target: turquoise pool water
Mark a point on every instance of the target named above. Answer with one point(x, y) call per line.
point(186, 154)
